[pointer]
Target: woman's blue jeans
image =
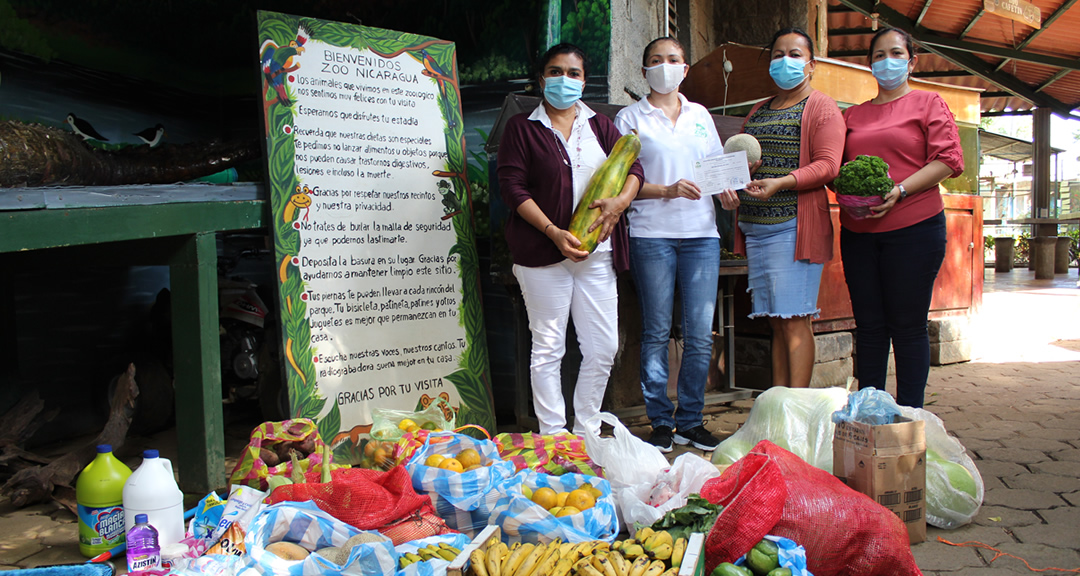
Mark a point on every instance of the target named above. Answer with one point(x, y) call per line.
point(658, 266)
point(890, 276)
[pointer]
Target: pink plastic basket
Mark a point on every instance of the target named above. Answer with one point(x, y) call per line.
point(858, 207)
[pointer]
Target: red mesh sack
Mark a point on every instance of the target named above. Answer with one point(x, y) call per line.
point(843, 531)
point(370, 500)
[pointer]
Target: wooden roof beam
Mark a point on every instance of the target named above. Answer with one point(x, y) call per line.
point(962, 58)
point(971, 24)
point(1061, 10)
point(922, 13)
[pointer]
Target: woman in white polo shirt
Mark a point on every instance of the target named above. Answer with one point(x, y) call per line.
point(674, 243)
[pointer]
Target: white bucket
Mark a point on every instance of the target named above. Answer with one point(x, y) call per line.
point(151, 489)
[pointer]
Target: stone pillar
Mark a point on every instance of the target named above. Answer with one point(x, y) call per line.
point(1061, 255)
point(1042, 253)
point(1004, 253)
point(949, 343)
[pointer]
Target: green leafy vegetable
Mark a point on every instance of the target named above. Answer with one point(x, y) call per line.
point(864, 176)
point(698, 515)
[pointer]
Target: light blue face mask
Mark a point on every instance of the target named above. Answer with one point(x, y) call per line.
point(890, 72)
point(787, 72)
point(562, 92)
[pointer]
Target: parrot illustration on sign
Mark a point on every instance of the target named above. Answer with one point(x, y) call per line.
point(277, 63)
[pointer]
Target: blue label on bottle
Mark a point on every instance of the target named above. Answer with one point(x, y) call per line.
point(107, 523)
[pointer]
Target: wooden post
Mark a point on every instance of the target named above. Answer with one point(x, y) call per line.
point(818, 19)
point(197, 364)
point(1040, 130)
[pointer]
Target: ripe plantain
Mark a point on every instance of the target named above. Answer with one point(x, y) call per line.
point(656, 568)
point(622, 566)
point(562, 567)
point(515, 558)
point(546, 562)
point(677, 552)
point(603, 565)
point(529, 564)
point(639, 566)
point(478, 562)
point(495, 554)
point(644, 533)
point(658, 539)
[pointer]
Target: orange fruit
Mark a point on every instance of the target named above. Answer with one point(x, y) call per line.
point(473, 467)
point(567, 511)
point(381, 457)
point(560, 498)
point(596, 493)
point(545, 497)
point(580, 499)
point(468, 457)
point(406, 423)
point(451, 464)
point(434, 460)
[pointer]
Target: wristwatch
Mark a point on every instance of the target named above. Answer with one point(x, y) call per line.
point(903, 192)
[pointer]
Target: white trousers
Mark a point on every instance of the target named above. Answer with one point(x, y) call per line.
point(587, 292)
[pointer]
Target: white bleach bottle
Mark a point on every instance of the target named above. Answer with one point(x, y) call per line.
point(151, 489)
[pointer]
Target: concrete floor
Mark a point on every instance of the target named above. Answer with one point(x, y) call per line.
point(1016, 407)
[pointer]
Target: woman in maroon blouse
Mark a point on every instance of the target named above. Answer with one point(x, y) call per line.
point(546, 159)
point(892, 258)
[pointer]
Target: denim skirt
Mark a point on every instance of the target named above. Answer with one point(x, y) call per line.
point(780, 286)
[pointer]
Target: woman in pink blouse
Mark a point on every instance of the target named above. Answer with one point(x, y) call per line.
point(892, 258)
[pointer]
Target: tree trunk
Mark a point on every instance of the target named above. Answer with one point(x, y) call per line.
point(36, 155)
point(37, 484)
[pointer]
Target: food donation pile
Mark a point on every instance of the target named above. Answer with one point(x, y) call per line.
point(428, 499)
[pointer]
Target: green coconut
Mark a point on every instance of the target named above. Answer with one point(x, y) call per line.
point(744, 142)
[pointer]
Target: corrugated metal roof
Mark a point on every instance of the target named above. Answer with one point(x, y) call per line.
point(969, 37)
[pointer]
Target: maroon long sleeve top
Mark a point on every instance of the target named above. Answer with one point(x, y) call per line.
point(533, 165)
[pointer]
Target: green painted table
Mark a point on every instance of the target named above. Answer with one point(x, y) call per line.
point(151, 225)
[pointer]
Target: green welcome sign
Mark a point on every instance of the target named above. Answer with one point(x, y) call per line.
point(372, 219)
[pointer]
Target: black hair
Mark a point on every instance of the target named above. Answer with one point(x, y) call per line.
point(649, 46)
point(564, 48)
point(799, 31)
point(909, 42)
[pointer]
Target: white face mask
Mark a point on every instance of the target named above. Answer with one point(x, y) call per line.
point(665, 78)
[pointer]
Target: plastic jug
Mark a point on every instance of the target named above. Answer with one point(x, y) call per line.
point(151, 489)
point(99, 493)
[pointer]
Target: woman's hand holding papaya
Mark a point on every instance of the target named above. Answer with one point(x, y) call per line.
point(611, 210)
point(566, 243)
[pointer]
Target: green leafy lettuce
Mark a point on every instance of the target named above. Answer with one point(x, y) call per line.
point(698, 515)
point(864, 176)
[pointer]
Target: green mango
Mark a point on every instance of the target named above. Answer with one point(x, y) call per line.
point(763, 558)
point(780, 572)
point(729, 569)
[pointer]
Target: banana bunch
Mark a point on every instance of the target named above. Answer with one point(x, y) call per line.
point(442, 551)
point(557, 558)
point(653, 545)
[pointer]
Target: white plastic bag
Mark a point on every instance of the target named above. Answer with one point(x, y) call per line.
point(305, 524)
point(952, 498)
point(798, 420)
point(626, 459)
point(647, 502)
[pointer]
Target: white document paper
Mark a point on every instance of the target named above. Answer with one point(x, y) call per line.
point(718, 173)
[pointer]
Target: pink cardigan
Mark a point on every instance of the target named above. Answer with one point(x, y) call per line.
point(821, 146)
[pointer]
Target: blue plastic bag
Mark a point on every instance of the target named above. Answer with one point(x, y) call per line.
point(464, 500)
point(522, 520)
point(305, 524)
point(868, 406)
point(435, 566)
point(791, 556)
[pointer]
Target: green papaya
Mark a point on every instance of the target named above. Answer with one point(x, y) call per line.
point(606, 182)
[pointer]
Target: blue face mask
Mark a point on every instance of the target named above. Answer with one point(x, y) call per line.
point(787, 72)
point(562, 92)
point(890, 72)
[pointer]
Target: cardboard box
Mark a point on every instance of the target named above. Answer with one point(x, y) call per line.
point(693, 562)
point(887, 463)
